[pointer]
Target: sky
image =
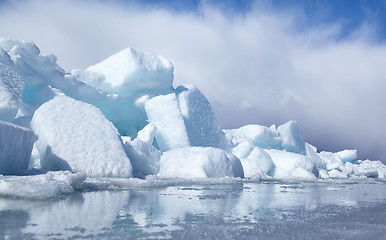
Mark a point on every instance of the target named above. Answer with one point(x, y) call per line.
point(321, 63)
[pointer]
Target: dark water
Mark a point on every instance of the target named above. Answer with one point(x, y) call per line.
point(350, 209)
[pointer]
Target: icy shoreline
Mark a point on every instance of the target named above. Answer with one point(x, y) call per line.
point(60, 184)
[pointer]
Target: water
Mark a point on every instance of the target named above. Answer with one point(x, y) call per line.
point(236, 209)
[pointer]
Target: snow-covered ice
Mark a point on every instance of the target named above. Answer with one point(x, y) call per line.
point(130, 71)
point(76, 136)
point(15, 148)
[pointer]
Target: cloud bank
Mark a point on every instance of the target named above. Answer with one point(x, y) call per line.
point(254, 67)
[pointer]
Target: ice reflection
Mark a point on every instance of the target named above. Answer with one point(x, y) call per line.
point(80, 214)
point(165, 209)
point(162, 211)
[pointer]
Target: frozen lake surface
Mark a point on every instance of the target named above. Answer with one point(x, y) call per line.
point(210, 209)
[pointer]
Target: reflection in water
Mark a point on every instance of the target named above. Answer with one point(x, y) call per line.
point(265, 209)
point(80, 214)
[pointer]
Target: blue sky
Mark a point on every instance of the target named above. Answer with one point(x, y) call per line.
point(351, 13)
point(320, 63)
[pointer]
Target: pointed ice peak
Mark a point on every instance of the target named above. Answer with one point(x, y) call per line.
point(129, 71)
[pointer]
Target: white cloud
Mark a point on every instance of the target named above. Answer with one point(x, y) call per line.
point(255, 68)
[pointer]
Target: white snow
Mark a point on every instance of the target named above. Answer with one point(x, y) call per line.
point(292, 137)
point(11, 93)
point(51, 184)
point(76, 136)
point(131, 71)
point(163, 111)
point(15, 148)
point(198, 162)
point(200, 121)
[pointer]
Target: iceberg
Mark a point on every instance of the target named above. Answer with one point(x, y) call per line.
point(15, 148)
point(79, 118)
point(76, 136)
point(199, 162)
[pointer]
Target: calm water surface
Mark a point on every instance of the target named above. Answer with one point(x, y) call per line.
point(350, 209)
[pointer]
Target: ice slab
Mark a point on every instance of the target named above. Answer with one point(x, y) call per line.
point(11, 93)
point(51, 184)
point(163, 111)
point(15, 148)
point(131, 71)
point(289, 164)
point(348, 155)
point(292, 137)
point(199, 162)
point(76, 136)
point(264, 137)
point(200, 121)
